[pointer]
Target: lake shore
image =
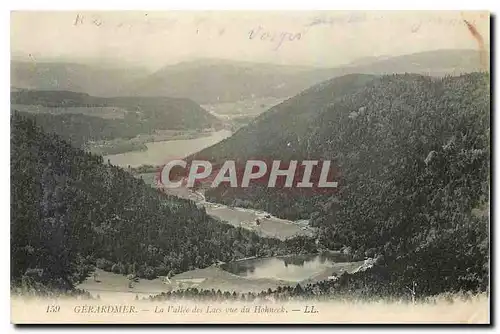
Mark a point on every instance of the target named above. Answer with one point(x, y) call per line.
point(139, 143)
point(158, 152)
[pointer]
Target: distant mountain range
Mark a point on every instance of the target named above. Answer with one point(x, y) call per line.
point(96, 80)
point(211, 81)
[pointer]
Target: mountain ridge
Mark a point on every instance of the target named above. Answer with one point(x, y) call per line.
point(221, 80)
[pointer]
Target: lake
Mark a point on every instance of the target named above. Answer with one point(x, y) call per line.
point(295, 268)
point(160, 152)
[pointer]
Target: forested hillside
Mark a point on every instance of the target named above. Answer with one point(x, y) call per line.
point(218, 80)
point(69, 212)
point(414, 154)
point(79, 129)
point(215, 81)
point(143, 115)
point(165, 112)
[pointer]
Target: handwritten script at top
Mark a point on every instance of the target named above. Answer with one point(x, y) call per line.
point(276, 37)
point(361, 17)
point(98, 21)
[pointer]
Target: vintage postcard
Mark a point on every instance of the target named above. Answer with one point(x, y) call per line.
point(225, 167)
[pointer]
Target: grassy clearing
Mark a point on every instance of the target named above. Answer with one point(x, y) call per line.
point(108, 284)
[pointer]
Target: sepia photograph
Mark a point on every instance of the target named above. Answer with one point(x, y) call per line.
point(250, 167)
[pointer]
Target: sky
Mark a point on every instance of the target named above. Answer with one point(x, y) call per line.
point(158, 38)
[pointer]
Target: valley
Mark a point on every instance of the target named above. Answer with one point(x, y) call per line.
point(224, 167)
point(381, 130)
point(242, 276)
point(258, 221)
point(239, 113)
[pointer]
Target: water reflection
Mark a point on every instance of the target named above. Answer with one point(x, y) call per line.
point(160, 152)
point(290, 268)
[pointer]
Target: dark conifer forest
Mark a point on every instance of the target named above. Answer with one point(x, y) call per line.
point(71, 212)
point(414, 156)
